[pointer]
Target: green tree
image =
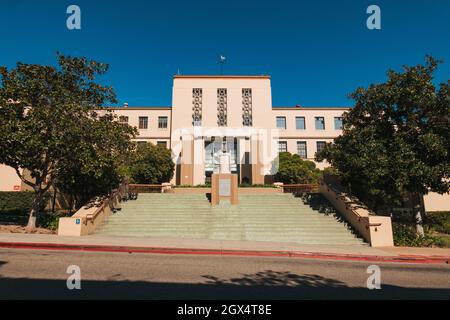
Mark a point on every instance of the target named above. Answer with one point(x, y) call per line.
point(395, 144)
point(94, 167)
point(293, 169)
point(151, 164)
point(43, 112)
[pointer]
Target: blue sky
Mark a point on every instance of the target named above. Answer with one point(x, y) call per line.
point(316, 51)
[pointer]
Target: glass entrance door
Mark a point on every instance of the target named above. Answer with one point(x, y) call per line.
point(213, 149)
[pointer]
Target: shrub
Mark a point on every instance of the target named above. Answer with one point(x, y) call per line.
point(438, 221)
point(292, 169)
point(18, 203)
point(405, 235)
point(151, 164)
point(50, 221)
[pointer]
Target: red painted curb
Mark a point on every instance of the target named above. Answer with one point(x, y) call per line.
point(255, 253)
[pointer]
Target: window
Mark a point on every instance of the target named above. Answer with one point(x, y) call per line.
point(281, 122)
point(320, 145)
point(320, 123)
point(141, 142)
point(301, 149)
point(338, 123)
point(282, 146)
point(143, 122)
point(162, 122)
point(300, 123)
point(123, 119)
point(162, 143)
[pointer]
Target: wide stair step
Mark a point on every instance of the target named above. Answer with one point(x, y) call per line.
point(268, 217)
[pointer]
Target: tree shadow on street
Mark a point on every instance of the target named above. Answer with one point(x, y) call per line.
point(278, 278)
point(267, 284)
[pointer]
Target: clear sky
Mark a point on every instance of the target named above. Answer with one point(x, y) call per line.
point(316, 51)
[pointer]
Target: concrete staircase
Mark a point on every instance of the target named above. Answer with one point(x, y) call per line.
point(260, 217)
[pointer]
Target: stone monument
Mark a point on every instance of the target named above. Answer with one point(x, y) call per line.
point(224, 185)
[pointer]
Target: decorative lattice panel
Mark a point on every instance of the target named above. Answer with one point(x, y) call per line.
point(247, 119)
point(197, 95)
point(222, 107)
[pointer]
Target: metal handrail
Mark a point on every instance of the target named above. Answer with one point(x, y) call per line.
point(115, 193)
point(137, 186)
point(304, 187)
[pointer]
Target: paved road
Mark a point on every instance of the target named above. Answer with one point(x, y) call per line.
point(42, 274)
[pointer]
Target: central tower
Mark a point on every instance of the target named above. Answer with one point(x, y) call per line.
point(207, 109)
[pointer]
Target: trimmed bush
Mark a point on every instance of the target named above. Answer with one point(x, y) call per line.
point(150, 164)
point(18, 203)
point(292, 169)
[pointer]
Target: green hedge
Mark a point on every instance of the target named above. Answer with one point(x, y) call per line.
point(18, 203)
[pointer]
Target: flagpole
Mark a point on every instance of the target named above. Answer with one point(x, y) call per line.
point(222, 60)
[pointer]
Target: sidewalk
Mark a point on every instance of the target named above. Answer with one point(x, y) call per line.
point(218, 247)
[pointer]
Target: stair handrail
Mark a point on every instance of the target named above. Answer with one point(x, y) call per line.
point(116, 195)
point(333, 184)
point(310, 186)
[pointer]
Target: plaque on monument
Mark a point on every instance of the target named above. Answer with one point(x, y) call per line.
point(224, 187)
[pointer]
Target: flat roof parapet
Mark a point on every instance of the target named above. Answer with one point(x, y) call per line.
point(178, 76)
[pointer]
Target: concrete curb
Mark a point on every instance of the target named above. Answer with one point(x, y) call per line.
point(418, 259)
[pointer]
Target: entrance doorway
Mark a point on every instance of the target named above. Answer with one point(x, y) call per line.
point(213, 149)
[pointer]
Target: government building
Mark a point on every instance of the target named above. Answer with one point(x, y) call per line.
point(210, 115)
point(213, 113)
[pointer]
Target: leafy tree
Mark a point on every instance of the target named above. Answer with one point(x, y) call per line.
point(44, 112)
point(293, 169)
point(151, 164)
point(395, 145)
point(94, 167)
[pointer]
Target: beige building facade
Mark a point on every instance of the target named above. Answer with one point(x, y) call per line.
point(212, 113)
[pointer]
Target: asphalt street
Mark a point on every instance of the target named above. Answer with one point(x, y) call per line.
point(38, 274)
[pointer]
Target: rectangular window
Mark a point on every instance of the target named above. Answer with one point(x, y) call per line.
point(301, 149)
point(162, 143)
point(123, 119)
point(338, 124)
point(320, 145)
point(282, 146)
point(320, 123)
point(143, 122)
point(162, 122)
point(141, 142)
point(281, 123)
point(300, 123)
